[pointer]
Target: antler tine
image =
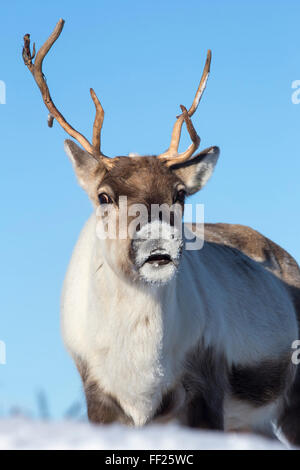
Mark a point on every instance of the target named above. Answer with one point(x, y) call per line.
point(171, 156)
point(98, 122)
point(37, 72)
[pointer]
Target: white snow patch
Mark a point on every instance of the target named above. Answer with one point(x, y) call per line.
point(20, 433)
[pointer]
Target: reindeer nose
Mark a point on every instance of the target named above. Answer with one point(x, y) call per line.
point(156, 243)
point(157, 230)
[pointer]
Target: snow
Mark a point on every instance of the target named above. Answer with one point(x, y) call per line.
point(21, 433)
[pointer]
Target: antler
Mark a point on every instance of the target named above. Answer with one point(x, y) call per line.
point(171, 156)
point(36, 70)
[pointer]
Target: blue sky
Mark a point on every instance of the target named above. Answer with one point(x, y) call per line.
point(143, 59)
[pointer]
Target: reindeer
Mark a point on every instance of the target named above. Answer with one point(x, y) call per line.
point(161, 332)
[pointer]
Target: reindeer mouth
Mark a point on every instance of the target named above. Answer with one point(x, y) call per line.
point(156, 258)
point(159, 259)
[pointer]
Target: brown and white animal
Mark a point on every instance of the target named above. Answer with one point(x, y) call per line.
point(158, 331)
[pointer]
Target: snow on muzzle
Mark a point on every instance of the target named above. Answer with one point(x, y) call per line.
point(156, 250)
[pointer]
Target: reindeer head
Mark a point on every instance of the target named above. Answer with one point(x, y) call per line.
point(153, 188)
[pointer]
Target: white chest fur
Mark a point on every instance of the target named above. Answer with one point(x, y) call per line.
point(120, 330)
point(138, 347)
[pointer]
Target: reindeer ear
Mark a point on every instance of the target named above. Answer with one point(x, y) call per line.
point(84, 164)
point(196, 172)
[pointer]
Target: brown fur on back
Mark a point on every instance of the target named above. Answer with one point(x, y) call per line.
point(262, 250)
point(257, 247)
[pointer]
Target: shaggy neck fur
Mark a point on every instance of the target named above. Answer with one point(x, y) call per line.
point(142, 339)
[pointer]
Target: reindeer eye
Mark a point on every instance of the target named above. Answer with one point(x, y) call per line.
point(104, 198)
point(180, 196)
